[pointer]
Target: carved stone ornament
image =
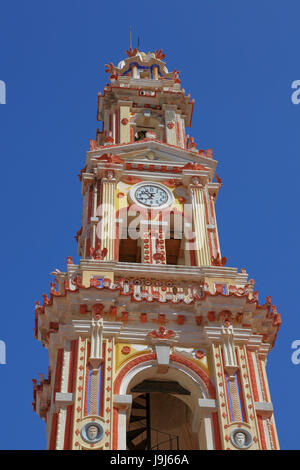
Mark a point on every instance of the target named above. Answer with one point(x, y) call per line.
point(241, 438)
point(162, 333)
point(196, 181)
point(92, 432)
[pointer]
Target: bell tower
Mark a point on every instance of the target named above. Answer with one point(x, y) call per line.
point(154, 343)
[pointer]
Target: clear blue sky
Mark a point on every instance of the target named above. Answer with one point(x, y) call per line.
point(238, 60)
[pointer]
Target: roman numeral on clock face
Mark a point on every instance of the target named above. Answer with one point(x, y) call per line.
point(151, 196)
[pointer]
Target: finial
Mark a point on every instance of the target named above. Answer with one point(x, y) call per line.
point(131, 52)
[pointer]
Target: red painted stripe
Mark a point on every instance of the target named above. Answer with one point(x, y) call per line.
point(53, 431)
point(69, 428)
point(110, 125)
point(58, 372)
point(252, 376)
point(86, 378)
point(273, 436)
point(227, 390)
point(261, 432)
point(115, 429)
point(88, 247)
point(103, 376)
point(239, 382)
point(242, 400)
point(263, 379)
point(73, 366)
point(216, 428)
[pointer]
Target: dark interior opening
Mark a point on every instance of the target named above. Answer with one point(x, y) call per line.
point(129, 251)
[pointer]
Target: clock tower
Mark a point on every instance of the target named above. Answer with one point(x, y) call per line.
point(154, 342)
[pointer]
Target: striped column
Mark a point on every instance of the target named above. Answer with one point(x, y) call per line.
point(201, 239)
point(94, 214)
point(62, 415)
point(108, 224)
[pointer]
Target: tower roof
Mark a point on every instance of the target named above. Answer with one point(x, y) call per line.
point(142, 61)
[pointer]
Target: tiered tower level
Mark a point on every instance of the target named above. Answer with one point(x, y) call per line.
point(153, 342)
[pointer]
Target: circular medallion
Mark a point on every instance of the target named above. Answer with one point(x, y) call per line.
point(241, 438)
point(92, 432)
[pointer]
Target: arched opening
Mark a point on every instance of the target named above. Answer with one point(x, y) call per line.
point(160, 421)
point(147, 126)
point(180, 404)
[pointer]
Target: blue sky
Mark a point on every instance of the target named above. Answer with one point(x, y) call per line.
point(238, 60)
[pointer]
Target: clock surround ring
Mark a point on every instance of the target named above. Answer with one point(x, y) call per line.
point(170, 201)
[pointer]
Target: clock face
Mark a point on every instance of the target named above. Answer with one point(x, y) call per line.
point(151, 195)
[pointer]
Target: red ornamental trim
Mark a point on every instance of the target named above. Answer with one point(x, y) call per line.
point(211, 316)
point(73, 366)
point(58, 372)
point(69, 428)
point(132, 52)
point(129, 366)
point(162, 333)
point(159, 54)
point(204, 377)
point(53, 431)
point(125, 350)
point(86, 397)
point(82, 309)
point(41, 309)
point(273, 436)
point(97, 310)
point(263, 379)
point(261, 432)
point(103, 378)
point(199, 354)
point(252, 376)
point(150, 357)
point(216, 427)
point(175, 358)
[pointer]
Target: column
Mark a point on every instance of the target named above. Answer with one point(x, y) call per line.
point(201, 239)
point(122, 403)
point(203, 423)
point(108, 224)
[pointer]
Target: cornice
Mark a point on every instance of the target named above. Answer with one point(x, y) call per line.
point(164, 271)
point(241, 336)
point(172, 151)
